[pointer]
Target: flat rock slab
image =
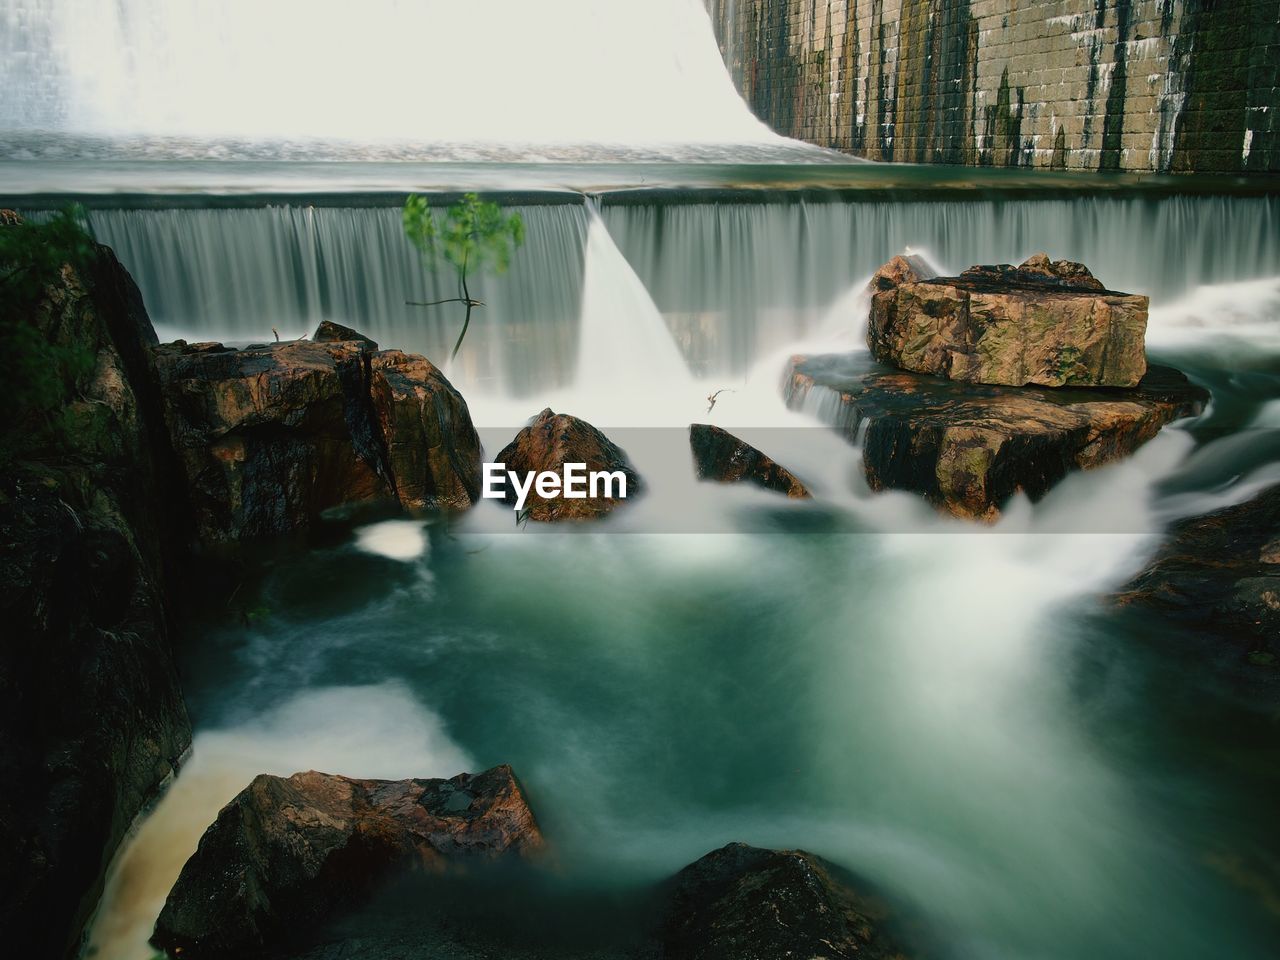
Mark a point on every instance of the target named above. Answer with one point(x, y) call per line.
point(720, 456)
point(1219, 574)
point(745, 903)
point(968, 448)
point(1045, 322)
point(287, 853)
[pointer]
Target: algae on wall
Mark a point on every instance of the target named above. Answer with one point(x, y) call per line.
point(1070, 84)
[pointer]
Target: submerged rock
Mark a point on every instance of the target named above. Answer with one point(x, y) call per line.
point(90, 530)
point(549, 442)
point(1220, 575)
point(968, 448)
point(272, 437)
point(1050, 323)
point(745, 903)
point(287, 853)
point(719, 455)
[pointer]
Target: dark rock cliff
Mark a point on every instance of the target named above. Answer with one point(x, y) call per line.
point(90, 529)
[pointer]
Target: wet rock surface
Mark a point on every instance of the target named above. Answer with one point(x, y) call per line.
point(90, 531)
point(968, 448)
point(549, 442)
point(273, 437)
point(433, 451)
point(745, 903)
point(289, 853)
point(1219, 575)
point(1049, 323)
point(330, 332)
point(720, 456)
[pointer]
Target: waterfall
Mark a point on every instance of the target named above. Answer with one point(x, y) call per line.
point(234, 274)
point(732, 281)
point(738, 279)
point(438, 70)
point(619, 320)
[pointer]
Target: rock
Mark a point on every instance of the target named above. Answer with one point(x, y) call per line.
point(719, 455)
point(907, 268)
point(744, 903)
point(968, 448)
point(1045, 322)
point(433, 451)
point(549, 442)
point(1063, 272)
point(285, 854)
point(1270, 552)
point(1217, 575)
point(330, 332)
point(272, 438)
point(91, 524)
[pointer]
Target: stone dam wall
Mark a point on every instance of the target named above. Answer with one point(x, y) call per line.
point(1139, 85)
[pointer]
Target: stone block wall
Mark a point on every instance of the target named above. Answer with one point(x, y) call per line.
point(1154, 85)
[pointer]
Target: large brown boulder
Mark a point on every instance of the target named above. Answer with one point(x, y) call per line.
point(1050, 323)
point(273, 437)
point(1219, 576)
point(720, 456)
point(969, 448)
point(287, 853)
point(745, 903)
point(433, 451)
point(92, 722)
point(549, 442)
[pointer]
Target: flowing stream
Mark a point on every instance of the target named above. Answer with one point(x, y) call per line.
point(950, 711)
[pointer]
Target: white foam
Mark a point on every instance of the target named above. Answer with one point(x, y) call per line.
point(395, 539)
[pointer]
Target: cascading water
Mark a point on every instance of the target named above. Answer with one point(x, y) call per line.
point(903, 699)
point(934, 705)
point(733, 281)
point(433, 71)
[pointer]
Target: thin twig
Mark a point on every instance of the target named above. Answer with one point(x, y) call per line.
point(716, 396)
point(431, 303)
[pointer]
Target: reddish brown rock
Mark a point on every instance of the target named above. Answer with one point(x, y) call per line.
point(1050, 323)
point(273, 437)
point(286, 854)
point(744, 903)
point(433, 451)
point(330, 332)
point(719, 455)
point(968, 448)
point(549, 442)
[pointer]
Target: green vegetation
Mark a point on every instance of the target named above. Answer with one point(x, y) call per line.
point(42, 373)
point(473, 236)
point(1068, 360)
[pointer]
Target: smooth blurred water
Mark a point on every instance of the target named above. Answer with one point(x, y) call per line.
point(950, 711)
point(732, 279)
point(559, 71)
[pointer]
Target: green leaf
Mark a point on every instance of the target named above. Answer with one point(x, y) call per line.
point(474, 238)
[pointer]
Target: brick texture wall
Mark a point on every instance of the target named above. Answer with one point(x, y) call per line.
point(1156, 85)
